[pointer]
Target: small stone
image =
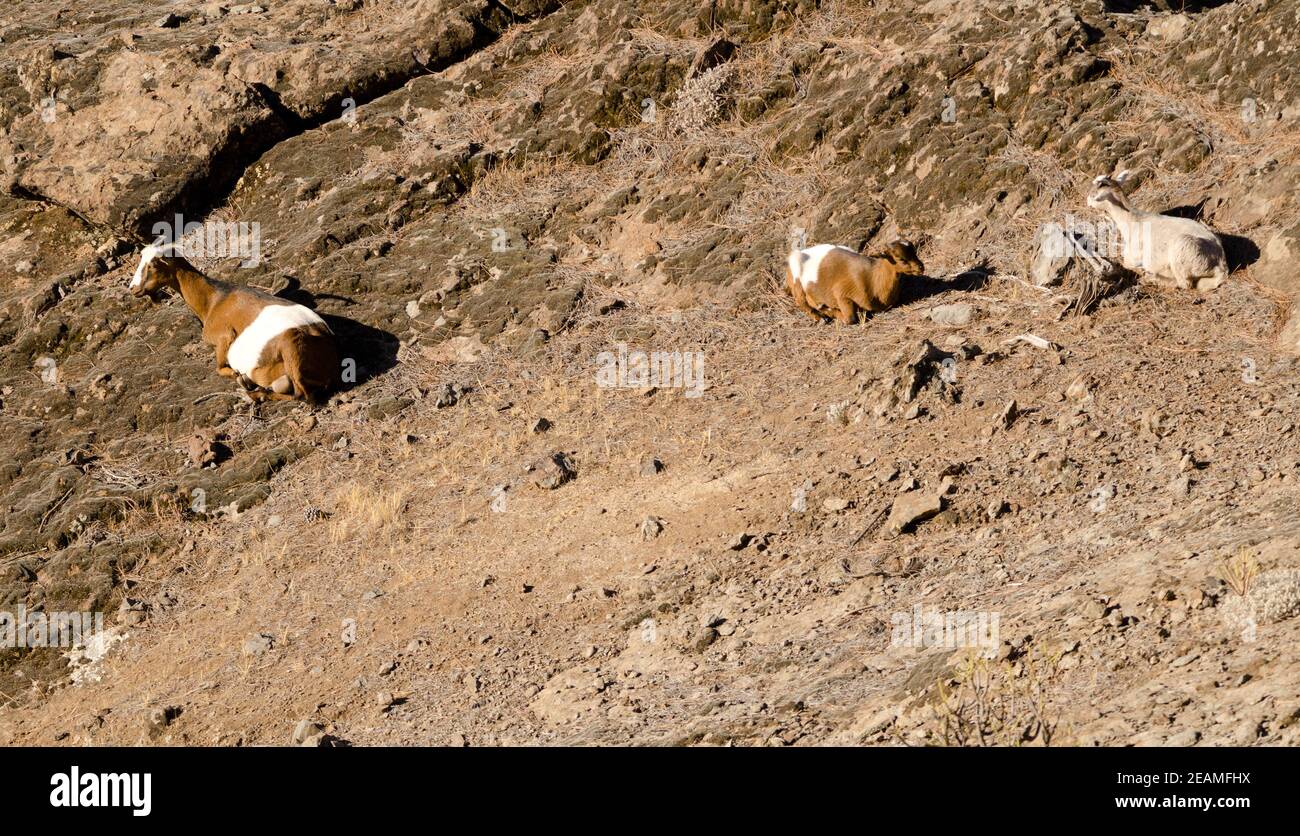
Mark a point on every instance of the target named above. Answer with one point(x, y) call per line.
point(836, 503)
point(702, 639)
point(555, 470)
point(449, 394)
point(168, 21)
point(911, 508)
point(954, 315)
point(163, 716)
point(307, 733)
point(739, 541)
point(259, 644)
point(651, 466)
point(651, 528)
point(1007, 416)
point(541, 425)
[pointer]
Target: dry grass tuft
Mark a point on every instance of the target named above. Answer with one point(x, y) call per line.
point(368, 510)
point(1239, 571)
point(998, 704)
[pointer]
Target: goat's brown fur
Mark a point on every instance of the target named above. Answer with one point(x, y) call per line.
point(848, 283)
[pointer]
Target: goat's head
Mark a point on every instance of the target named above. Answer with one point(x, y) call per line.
point(1110, 190)
point(158, 270)
point(902, 254)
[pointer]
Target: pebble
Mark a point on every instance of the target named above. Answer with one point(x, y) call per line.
point(954, 315)
point(259, 644)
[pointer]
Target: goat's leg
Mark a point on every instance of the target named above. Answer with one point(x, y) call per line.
point(800, 298)
point(222, 344)
point(847, 312)
point(1207, 284)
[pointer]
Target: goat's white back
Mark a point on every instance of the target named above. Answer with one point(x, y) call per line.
point(805, 263)
point(271, 322)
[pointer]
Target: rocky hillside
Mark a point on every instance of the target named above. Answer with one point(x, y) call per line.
point(476, 542)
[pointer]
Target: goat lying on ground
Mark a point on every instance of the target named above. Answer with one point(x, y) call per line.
point(285, 349)
point(1167, 248)
point(829, 280)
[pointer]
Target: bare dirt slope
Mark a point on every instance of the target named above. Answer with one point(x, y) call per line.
point(563, 179)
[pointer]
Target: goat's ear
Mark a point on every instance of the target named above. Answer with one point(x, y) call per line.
point(1123, 177)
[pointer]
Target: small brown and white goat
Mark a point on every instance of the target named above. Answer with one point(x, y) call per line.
point(829, 280)
point(283, 348)
point(1167, 248)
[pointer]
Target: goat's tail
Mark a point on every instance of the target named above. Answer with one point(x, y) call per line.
point(795, 261)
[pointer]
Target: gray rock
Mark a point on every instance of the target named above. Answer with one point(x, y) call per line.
point(739, 541)
point(911, 508)
point(553, 471)
point(307, 733)
point(1007, 417)
point(651, 528)
point(449, 394)
point(954, 315)
point(702, 639)
point(259, 644)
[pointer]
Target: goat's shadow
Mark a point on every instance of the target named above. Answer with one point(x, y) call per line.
point(916, 288)
point(1240, 250)
point(373, 349)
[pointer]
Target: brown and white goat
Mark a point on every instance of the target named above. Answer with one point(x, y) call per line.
point(284, 349)
point(828, 280)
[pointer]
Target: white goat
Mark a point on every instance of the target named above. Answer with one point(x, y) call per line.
point(1167, 248)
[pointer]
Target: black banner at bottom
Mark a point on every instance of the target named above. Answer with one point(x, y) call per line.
point(303, 785)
